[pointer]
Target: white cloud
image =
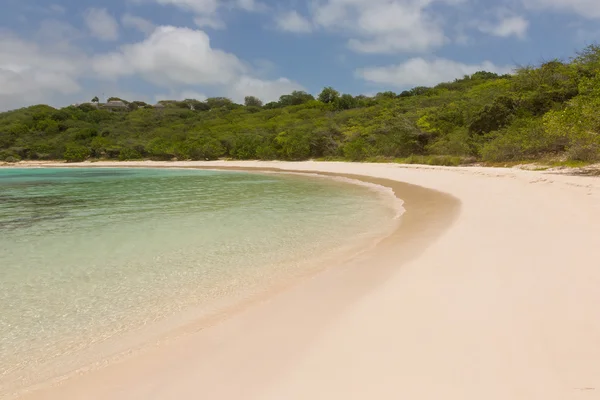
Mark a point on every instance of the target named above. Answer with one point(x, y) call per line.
point(209, 22)
point(198, 6)
point(266, 90)
point(585, 8)
point(291, 21)
point(180, 60)
point(421, 72)
point(180, 57)
point(252, 5)
point(505, 27)
point(30, 73)
point(383, 26)
point(139, 23)
point(101, 24)
point(170, 56)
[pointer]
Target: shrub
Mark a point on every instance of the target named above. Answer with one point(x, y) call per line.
point(493, 116)
point(75, 153)
point(357, 149)
point(129, 154)
point(524, 139)
point(457, 143)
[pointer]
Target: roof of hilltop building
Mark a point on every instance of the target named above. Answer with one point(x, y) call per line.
point(115, 104)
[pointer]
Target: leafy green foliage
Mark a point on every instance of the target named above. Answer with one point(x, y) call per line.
point(251, 101)
point(549, 110)
point(329, 95)
point(75, 153)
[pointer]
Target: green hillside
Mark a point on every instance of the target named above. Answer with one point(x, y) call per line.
point(551, 111)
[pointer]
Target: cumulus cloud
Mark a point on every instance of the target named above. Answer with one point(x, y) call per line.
point(209, 22)
point(31, 73)
point(176, 58)
point(101, 24)
point(421, 72)
point(505, 26)
point(291, 21)
point(251, 5)
point(50, 68)
point(585, 8)
point(197, 6)
point(383, 26)
point(169, 56)
point(139, 23)
point(207, 12)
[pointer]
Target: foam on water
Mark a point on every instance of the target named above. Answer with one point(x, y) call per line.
point(88, 256)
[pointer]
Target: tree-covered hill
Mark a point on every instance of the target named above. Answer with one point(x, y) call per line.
point(548, 111)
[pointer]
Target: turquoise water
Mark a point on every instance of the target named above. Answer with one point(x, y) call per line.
point(90, 255)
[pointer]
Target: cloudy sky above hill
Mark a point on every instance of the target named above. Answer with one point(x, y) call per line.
point(67, 51)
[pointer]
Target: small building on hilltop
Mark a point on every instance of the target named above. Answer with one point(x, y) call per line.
point(115, 105)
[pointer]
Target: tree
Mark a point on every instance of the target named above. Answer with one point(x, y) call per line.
point(117, 99)
point(251, 101)
point(484, 75)
point(95, 99)
point(493, 116)
point(76, 153)
point(385, 95)
point(271, 105)
point(217, 102)
point(296, 98)
point(329, 95)
point(346, 102)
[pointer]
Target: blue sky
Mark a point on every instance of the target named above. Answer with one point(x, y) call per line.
point(61, 52)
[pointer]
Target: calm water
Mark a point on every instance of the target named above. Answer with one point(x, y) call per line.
point(90, 255)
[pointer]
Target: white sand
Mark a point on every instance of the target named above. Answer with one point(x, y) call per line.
point(500, 299)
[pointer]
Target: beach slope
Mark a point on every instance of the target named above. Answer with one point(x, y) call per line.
point(490, 290)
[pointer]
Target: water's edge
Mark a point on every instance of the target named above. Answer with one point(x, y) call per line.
point(234, 305)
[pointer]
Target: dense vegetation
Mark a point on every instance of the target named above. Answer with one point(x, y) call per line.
point(548, 111)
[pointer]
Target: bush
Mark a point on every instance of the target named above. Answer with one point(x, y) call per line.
point(525, 139)
point(208, 149)
point(357, 150)
point(9, 156)
point(493, 116)
point(589, 152)
point(457, 143)
point(75, 153)
point(129, 154)
point(160, 149)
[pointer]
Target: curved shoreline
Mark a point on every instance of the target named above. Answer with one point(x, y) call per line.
point(438, 207)
point(139, 340)
point(489, 289)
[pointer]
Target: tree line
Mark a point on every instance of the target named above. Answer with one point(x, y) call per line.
point(549, 111)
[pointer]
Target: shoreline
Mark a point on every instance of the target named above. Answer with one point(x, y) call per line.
point(447, 307)
point(237, 304)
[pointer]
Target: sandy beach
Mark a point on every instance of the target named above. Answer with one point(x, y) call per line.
point(489, 289)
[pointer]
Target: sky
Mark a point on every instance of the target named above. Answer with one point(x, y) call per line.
point(61, 52)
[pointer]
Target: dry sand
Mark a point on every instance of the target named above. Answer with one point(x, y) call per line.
point(490, 289)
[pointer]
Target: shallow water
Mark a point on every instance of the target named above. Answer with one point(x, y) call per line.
point(88, 255)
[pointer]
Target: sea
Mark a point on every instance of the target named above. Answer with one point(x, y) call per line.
point(95, 262)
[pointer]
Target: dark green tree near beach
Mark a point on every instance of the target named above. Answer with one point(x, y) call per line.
point(548, 112)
